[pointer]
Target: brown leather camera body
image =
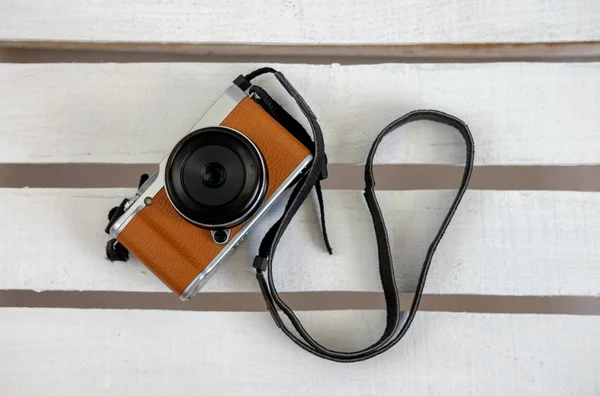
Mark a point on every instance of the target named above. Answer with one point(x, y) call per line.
point(177, 251)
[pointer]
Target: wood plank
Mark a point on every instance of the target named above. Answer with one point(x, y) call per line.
point(500, 243)
point(341, 176)
point(133, 113)
point(300, 301)
point(308, 22)
point(102, 52)
point(73, 352)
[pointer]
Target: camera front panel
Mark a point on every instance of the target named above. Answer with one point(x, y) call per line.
point(181, 253)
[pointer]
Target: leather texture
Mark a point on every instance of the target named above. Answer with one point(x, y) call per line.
point(177, 251)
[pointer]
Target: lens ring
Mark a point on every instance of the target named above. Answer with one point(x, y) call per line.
point(216, 178)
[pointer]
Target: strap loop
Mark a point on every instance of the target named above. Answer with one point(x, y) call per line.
point(398, 321)
point(116, 252)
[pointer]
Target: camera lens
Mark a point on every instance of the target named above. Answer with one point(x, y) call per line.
point(216, 178)
point(213, 175)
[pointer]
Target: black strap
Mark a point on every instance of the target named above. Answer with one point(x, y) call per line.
point(398, 321)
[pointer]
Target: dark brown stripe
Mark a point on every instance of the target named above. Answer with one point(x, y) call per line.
point(492, 177)
point(125, 52)
point(301, 301)
point(341, 176)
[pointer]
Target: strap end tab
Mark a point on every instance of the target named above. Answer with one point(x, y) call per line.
point(242, 83)
point(324, 173)
point(261, 263)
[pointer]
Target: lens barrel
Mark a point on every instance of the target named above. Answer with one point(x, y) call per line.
point(216, 178)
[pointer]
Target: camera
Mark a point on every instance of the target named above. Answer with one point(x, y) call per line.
point(217, 181)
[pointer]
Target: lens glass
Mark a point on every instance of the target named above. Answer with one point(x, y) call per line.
point(213, 175)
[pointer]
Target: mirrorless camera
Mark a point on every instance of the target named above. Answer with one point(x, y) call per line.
point(217, 181)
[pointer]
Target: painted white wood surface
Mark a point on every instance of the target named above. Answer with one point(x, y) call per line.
point(133, 113)
point(105, 352)
point(500, 242)
point(302, 22)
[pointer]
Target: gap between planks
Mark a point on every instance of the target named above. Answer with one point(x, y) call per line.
point(130, 52)
point(342, 176)
point(301, 301)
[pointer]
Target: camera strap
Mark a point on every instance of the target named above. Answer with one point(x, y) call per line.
point(397, 322)
point(290, 124)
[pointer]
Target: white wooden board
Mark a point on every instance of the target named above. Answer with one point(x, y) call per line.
point(302, 22)
point(103, 352)
point(134, 113)
point(511, 243)
point(500, 242)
